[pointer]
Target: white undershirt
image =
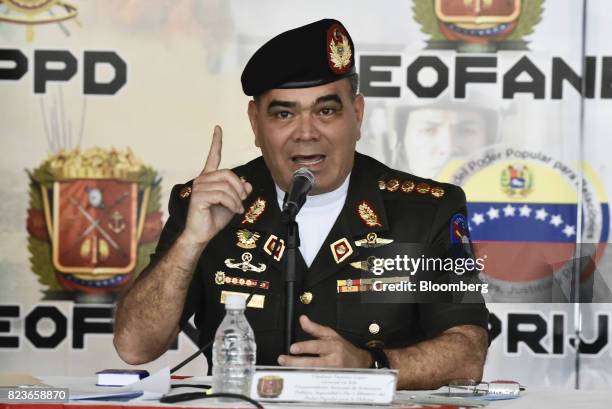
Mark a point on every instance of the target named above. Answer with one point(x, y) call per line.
point(316, 218)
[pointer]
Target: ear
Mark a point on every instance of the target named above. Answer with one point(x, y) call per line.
point(359, 106)
point(252, 111)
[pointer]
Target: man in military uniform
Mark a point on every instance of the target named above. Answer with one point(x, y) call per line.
point(224, 234)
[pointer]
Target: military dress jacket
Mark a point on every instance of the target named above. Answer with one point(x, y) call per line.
point(243, 258)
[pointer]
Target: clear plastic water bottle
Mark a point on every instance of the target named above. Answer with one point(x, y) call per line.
point(234, 350)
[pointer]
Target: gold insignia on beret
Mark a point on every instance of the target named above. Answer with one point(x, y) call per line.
point(255, 211)
point(341, 249)
point(437, 192)
point(392, 185)
point(407, 186)
point(382, 185)
point(422, 188)
point(367, 214)
point(185, 192)
point(339, 49)
point(247, 239)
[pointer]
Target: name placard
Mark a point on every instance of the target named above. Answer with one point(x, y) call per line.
point(289, 384)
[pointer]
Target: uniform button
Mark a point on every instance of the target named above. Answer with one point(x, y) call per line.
point(306, 297)
point(374, 328)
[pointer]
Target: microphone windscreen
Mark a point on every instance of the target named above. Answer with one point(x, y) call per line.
point(305, 173)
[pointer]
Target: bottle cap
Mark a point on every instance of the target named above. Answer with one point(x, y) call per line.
point(234, 302)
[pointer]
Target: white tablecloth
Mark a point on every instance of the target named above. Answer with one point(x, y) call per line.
point(532, 398)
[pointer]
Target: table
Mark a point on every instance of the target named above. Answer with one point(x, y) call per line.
point(532, 398)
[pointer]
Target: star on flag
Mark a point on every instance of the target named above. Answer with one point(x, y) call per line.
point(509, 210)
point(478, 218)
point(556, 220)
point(541, 214)
point(493, 213)
point(569, 230)
point(525, 211)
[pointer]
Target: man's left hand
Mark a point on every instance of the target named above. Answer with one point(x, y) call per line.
point(333, 351)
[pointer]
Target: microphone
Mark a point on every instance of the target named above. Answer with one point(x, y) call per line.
point(302, 182)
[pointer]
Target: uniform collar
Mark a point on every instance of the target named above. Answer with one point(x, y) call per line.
point(320, 200)
point(363, 212)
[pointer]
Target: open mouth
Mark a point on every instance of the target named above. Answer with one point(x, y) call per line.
point(307, 160)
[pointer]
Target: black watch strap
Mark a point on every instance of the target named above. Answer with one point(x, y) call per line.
point(380, 358)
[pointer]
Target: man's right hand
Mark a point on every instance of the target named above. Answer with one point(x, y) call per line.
point(216, 195)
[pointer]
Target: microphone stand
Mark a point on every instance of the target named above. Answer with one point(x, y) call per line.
point(293, 243)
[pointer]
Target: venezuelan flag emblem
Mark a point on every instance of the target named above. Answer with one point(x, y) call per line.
point(523, 210)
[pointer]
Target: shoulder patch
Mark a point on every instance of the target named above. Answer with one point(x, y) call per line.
point(459, 232)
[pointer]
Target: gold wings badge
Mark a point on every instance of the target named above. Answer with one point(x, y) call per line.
point(372, 240)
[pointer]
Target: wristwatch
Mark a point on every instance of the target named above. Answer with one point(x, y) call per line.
point(379, 357)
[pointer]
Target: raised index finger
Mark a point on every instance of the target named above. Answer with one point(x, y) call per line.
point(214, 155)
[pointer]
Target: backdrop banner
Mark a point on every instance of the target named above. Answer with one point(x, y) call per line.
point(107, 104)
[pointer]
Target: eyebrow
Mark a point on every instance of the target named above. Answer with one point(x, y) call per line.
point(279, 103)
point(293, 104)
point(327, 98)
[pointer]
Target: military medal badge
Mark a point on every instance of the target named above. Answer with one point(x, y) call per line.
point(274, 247)
point(247, 239)
point(245, 265)
point(367, 214)
point(372, 240)
point(255, 211)
point(341, 250)
point(366, 265)
point(219, 277)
